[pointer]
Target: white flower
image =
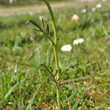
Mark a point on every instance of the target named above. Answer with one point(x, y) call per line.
point(77, 41)
point(83, 10)
point(66, 47)
point(98, 6)
point(103, 0)
point(108, 108)
point(75, 18)
point(93, 9)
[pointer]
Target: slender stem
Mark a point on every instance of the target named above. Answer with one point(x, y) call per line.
point(57, 67)
point(58, 99)
point(56, 53)
point(58, 76)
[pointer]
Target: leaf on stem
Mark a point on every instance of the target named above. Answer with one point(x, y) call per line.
point(41, 31)
point(56, 73)
point(44, 66)
point(51, 69)
point(50, 73)
point(47, 29)
point(36, 30)
point(58, 79)
point(43, 22)
point(36, 24)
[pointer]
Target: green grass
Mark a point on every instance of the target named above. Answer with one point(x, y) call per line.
point(84, 71)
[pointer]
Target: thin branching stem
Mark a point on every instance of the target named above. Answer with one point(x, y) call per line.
point(56, 53)
point(55, 43)
point(46, 36)
point(41, 30)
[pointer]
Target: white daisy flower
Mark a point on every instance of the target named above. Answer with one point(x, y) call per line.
point(83, 10)
point(66, 47)
point(78, 41)
point(93, 9)
point(98, 6)
point(75, 18)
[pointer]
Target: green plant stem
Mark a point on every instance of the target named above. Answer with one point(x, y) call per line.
point(58, 99)
point(56, 53)
point(58, 76)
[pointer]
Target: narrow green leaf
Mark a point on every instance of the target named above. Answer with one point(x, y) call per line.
point(36, 24)
point(42, 31)
point(58, 79)
point(53, 19)
point(50, 10)
point(32, 99)
point(47, 29)
point(37, 30)
point(3, 85)
point(43, 22)
point(44, 66)
point(50, 73)
point(105, 31)
point(10, 91)
point(22, 94)
point(56, 73)
point(54, 100)
point(51, 70)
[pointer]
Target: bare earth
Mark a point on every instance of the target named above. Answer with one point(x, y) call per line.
point(35, 8)
point(28, 9)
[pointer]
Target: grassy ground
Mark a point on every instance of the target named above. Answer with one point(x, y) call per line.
point(84, 71)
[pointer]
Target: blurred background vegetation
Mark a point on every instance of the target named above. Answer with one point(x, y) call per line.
point(24, 2)
point(85, 71)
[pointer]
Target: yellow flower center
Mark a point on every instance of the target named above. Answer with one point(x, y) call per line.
point(66, 47)
point(78, 40)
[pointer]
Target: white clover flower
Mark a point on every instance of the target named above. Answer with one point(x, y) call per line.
point(98, 6)
point(78, 41)
point(66, 47)
point(83, 10)
point(93, 9)
point(75, 18)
